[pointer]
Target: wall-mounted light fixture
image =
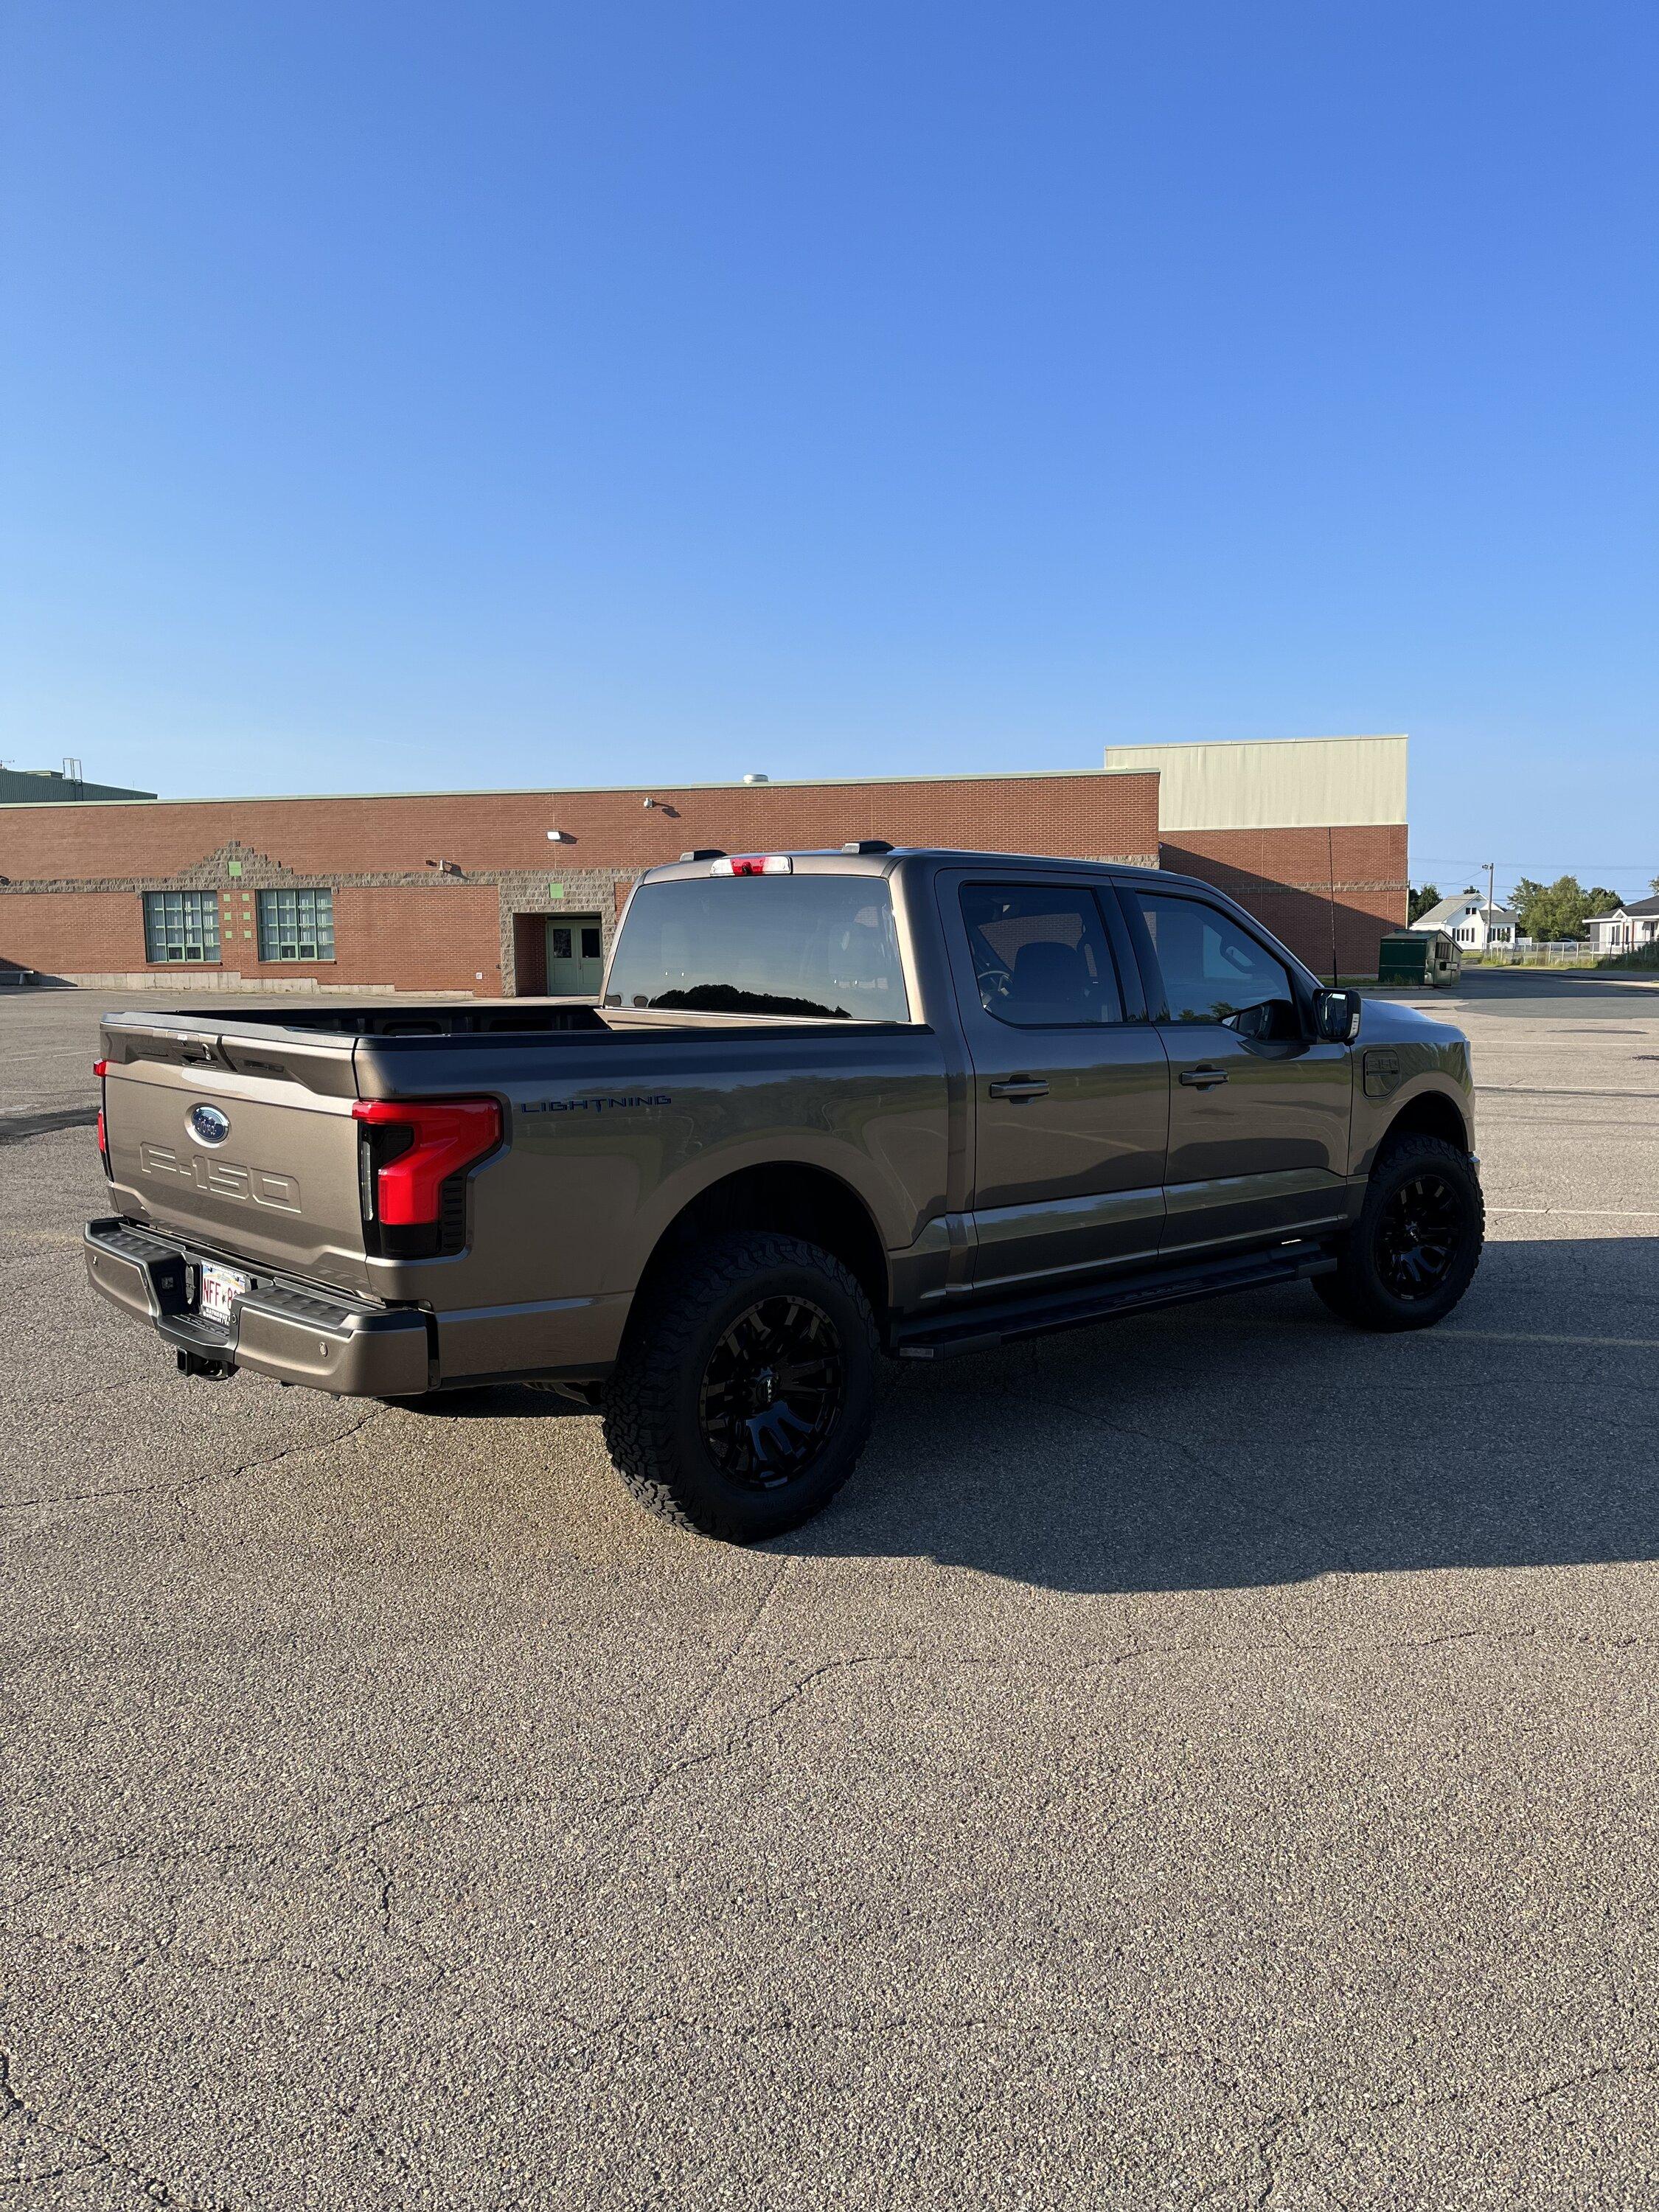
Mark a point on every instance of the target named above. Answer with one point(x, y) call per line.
point(446, 867)
point(555, 836)
point(650, 802)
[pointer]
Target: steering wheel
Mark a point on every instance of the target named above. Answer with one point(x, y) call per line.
point(994, 982)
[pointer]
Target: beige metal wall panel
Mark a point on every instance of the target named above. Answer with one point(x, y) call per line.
point(1275, 783)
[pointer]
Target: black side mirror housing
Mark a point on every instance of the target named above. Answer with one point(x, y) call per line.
point(1336, 1016)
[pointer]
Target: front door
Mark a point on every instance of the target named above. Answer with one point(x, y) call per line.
point(1259, 1108)
point(1070, 1084)
point(575, 956)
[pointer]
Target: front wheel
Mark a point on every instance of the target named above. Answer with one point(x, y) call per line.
point(744, 1392)
point(1414, 1251)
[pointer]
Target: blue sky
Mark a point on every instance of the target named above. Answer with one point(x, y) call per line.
point(415, 396)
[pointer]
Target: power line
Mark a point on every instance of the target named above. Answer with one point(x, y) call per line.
point(1460, 860)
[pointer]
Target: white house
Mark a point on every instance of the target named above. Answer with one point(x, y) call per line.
point(1471, 923)
point(1636, 923)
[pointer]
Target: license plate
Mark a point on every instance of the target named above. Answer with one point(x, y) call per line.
point(221, 1288)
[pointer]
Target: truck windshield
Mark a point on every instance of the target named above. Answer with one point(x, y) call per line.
point(809, 946)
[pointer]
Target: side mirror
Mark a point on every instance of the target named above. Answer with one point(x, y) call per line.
point(1336, 1016)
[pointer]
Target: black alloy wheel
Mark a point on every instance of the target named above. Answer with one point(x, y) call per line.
point(1418, 1236)
point(1414, 1251)
point(772, 1391)
point(744, 1388)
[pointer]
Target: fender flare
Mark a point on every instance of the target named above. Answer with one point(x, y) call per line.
point(890, 1213)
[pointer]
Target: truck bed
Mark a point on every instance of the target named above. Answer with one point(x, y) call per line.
point(605, 1115)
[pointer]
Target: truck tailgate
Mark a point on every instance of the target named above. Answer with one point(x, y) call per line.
point(269, 1173)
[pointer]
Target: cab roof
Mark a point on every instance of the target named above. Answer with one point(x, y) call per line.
point(829, 860)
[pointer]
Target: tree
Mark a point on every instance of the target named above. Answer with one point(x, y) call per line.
point(1422, 899)
point(1551, 913)
point(1523, 903)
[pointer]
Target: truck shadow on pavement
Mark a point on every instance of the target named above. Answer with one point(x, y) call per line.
point(1257, 1440)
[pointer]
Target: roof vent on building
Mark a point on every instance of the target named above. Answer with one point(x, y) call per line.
point(868, 845)
point(705, 853)
point(755, 776)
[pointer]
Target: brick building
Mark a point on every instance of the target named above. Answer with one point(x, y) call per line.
point(1307, 833)
point(505, 892)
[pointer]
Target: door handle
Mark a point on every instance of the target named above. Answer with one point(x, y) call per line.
point(1203, 1078)
point(1018, 1087)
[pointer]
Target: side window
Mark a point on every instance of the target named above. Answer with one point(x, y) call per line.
point(1040, 954)
point(1211, 968)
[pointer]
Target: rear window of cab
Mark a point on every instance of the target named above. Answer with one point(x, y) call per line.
point(814, 947)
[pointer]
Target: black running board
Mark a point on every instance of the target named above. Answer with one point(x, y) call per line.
point(990, 1321)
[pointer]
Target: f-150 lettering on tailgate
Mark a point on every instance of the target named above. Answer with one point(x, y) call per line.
point(246, 1185)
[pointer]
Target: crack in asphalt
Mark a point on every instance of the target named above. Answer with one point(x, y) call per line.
point(15, 2106)
point(1283, 2132)
point(1611, 2070)
point(177, 1489)
point(638, 1800)
point(1193, 1456)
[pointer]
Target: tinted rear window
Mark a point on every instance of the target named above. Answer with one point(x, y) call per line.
point(806, 946)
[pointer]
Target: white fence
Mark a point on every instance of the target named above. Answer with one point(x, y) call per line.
point(1527, 952)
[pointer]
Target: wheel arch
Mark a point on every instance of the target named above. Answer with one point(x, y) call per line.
point(1431, 1112)
point(791, 1198)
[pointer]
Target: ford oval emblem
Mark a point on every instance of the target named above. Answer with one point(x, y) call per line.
point(208, 1125)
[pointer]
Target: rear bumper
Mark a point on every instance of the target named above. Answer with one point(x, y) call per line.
point(315, 1338)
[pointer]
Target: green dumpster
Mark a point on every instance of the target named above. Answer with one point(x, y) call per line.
point(1419, 955)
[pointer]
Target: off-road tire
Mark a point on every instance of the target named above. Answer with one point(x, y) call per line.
point(1358, 1292)
point(652, 1425)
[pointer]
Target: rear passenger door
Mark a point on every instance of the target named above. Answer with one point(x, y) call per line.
point(1070, 1082)
point(1259, 1108)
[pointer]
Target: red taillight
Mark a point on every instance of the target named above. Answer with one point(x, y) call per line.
point(442, 1138)
point(100, 1069)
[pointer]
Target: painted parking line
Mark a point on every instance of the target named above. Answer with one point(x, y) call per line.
point(1584, 1213)
point(1523, 1090)
point(1538, 1336)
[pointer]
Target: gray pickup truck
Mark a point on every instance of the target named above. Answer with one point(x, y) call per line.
point(829, 1104)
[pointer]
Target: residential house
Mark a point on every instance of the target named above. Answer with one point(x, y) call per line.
point(1636, 923)
point(1471, 923)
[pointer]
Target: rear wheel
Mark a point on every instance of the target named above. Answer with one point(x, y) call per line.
point(742, 1395)
point(1414, 1250)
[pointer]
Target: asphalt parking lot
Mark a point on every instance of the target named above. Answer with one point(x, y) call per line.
point(1211, 1761)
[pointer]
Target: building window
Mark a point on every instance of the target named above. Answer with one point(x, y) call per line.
point(181, 925)
point(296, 925)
